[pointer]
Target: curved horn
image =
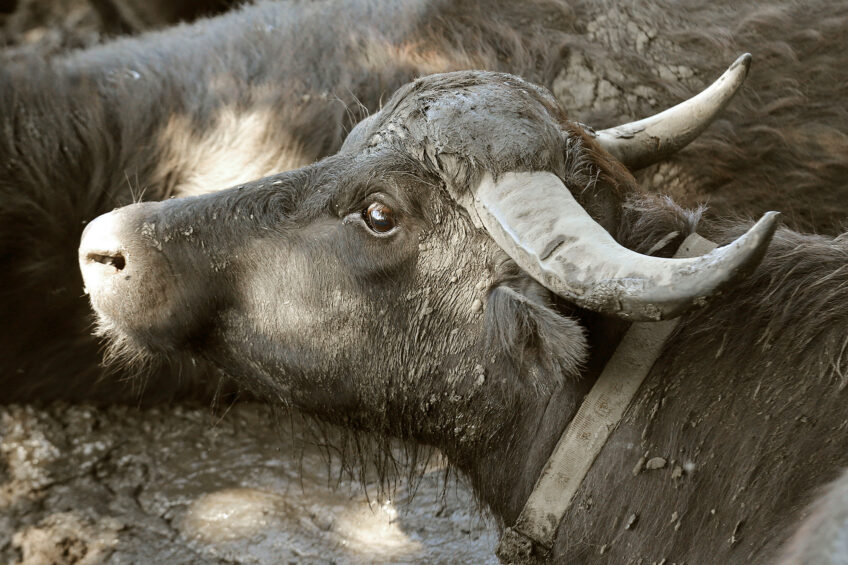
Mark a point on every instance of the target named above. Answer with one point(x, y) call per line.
point(642, 143)
point(536, 220)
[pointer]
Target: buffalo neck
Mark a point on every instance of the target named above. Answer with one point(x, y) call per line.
point(525, 426)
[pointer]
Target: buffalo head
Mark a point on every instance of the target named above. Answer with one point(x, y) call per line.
point(446, 254)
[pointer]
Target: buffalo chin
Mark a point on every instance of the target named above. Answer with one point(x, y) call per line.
point(123, 351)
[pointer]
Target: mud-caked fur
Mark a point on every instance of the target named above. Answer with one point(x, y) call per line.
point(780, 145)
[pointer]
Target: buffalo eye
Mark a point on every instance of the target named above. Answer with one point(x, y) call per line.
point(379, 218)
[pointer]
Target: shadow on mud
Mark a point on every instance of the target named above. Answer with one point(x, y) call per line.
point(179, 485)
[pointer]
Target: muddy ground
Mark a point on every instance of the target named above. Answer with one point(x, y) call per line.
point(184, 485)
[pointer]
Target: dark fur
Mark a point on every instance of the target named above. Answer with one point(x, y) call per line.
point(745, 403)
point(134, 16)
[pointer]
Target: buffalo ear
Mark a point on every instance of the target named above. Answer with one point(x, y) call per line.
point(522, 328)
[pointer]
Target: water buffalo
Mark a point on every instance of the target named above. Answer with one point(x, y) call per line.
point(194, 109)
point(458, 274)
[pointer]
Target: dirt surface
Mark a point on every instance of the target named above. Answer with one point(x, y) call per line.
point(181, 485)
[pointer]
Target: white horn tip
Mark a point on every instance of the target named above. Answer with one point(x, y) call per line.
point(743, 60)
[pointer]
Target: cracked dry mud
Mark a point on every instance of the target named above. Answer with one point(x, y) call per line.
point(181, 485)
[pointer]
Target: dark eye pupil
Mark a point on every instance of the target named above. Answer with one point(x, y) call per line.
point(379, 217)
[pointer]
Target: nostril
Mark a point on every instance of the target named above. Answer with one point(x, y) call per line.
point(116, 260)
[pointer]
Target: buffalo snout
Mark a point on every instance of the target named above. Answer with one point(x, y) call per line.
point(135, 277)
point(103, 252)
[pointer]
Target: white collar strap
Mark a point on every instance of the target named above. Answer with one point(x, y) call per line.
point(531, 538)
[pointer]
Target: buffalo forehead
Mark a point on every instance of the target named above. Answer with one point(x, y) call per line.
point(488, 118)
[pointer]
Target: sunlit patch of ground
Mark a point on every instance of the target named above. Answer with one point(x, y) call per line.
point(178, 485)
